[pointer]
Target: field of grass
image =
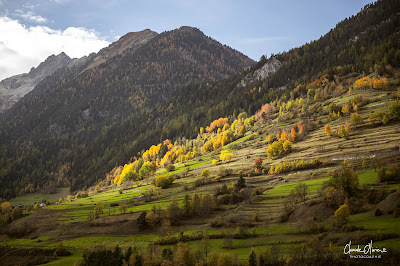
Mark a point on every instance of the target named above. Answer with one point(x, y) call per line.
point(31, 198)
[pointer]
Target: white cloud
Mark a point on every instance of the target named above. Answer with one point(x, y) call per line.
point(22, 48)
point(30, 16)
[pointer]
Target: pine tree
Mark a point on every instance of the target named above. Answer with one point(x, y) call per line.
point(252, 258)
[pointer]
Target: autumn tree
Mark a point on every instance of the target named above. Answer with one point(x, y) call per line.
point(301, 128)
point(341, 216)
point(327, 130)
point(184, 256)
point(283, 135)
point(381, 84)
point(362, 83)
point(346, 108)
point(342, 132)
point(379, 117)
point(220, 259)
point(5, 207)
point(164, 181)
point(356, 119)
point(293, 134)
point(278, 148)
point(258, 165)
point(226, 155)
point(147, 169)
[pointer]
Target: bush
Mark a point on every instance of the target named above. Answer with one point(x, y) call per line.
point(389, 174)
point(164, 182)
point(226, 156)
point(278, 148)
point(201, 181)
point(170, 167)
point(206, 173)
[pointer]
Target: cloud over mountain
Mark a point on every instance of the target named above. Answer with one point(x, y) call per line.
point(22, 47)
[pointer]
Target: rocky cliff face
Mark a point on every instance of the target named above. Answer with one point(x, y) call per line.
point(14, 88)
point(269, 68)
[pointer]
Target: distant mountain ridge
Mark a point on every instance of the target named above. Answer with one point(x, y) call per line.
point(128, 43)
point(14, 88)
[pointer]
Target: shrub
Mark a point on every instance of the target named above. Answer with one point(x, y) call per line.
point(163, 181)
point(170, 167)
point(389, 174)
point(378, 117)
point(206, 172)
point(201, 181)
point(226, 156)
point(394, 110)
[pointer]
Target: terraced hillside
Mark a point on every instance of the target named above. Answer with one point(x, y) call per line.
point(266, 216)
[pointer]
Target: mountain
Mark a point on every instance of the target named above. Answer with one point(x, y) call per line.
point(70, 111)
point(14, 88)
point(128, 43)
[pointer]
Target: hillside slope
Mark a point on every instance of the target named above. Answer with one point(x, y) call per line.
point(62, 118)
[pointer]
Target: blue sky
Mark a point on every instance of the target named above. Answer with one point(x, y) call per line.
point(252, 27)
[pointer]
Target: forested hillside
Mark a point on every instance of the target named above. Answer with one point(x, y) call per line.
point(96, 121)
